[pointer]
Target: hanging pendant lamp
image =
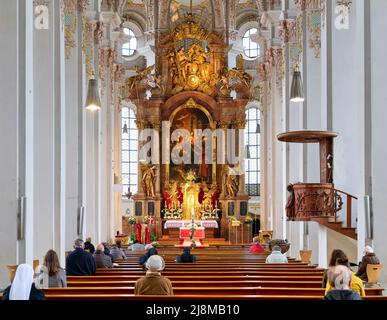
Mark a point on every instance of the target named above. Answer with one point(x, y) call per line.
point(296, 90)
point(247, 150)
point(93, 101)
point(125, 129)
point(258, 129)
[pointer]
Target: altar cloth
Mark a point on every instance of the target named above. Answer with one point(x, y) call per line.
point(171, 224)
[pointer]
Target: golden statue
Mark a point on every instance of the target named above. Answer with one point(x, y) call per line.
point(190, 70)
point(148, 179)
point(141, 79)
point(230, 181)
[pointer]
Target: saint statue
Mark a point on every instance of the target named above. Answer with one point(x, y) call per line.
point(230, 182)
point(149, 179)
point(290, 203)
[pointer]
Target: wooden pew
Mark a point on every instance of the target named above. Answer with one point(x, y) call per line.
point(200, 283)
point(199, 277)
point(189, 297)
point(204, 291)
point(271, 272)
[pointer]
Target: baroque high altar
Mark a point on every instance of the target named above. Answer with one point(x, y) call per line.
point(190, 88)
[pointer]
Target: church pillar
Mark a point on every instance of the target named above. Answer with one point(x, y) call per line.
point(12, 131)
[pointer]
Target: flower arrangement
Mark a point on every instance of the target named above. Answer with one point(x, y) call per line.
point(173, 213)
point(248, 219)
point(132, 220)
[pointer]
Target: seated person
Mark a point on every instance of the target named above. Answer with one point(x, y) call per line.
point(89, 246)
point(342, 259)
point(79, 262)
point(368, 258)
point(256, 247)
point(117, 252)
point(101, 259)
point(56, 275)
point(107, 250)
point(136, 246)
point(186, 257)
point(339, 279)
point(150, 252)
point(22, 287)
point(153, 283)
point(276, 256)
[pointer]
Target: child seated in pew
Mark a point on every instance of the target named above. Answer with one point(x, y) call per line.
point(153, 283)
point(339, 279)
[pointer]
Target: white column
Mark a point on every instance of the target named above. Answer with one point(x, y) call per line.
point(12, 94)
point(379, 128)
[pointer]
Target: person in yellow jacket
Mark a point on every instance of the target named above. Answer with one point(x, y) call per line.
point(338, 257)
point(356, 285)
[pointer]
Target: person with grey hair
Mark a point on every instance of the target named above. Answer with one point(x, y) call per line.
point(79, 262)
point(154, 283)
point(368, 258)
point(102, 260)
point(276, 256)
point(339, 278)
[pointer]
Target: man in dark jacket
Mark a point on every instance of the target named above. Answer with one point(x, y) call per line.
point(339, 278)
point(101, 259)
point(89, 246)
point(186, 257)
point(368, 258)
point(79, 262)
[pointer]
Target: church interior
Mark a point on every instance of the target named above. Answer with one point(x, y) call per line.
point(210, 124)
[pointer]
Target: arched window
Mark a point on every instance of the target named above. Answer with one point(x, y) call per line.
point(252, 163)
point(129, 151)
point(128, 48)
point(250, 47)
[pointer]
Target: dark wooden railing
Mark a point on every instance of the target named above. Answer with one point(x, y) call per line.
point(349, 200)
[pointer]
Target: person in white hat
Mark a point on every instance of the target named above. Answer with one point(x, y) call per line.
point(368, 258)
point(154, 283)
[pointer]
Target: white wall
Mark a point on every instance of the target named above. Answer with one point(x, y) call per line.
point(379, 128)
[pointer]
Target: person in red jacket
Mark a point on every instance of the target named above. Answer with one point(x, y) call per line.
point(256, 247)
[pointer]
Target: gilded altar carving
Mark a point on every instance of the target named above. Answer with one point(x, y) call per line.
point(190, 70)
point(137, 85)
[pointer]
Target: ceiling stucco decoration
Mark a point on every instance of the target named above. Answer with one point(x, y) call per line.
point(314, 28)
point(308, 4)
